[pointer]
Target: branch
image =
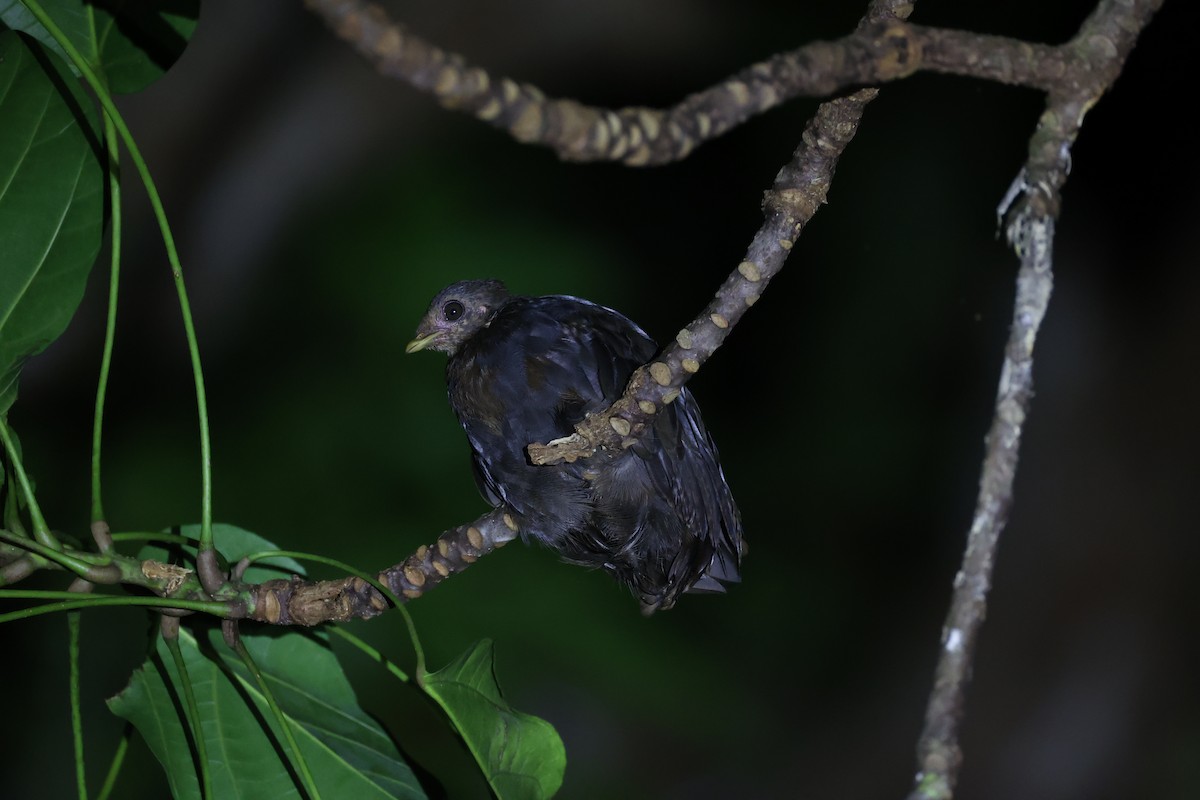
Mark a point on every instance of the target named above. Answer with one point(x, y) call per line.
point(297, 602)
point(1106, 37)
point(797, 193)
point(1075, 74)
point(282, 602)
point(882, 49)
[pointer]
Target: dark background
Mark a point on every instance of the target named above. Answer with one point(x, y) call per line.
point(319, 206)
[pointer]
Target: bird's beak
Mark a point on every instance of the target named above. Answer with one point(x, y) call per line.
point(421, 342)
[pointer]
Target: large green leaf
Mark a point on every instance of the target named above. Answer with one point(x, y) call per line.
point(349, 754)
point(51, 202)
point(71, 16)
point(138, 40)
point(521, 755)
point(129, 43)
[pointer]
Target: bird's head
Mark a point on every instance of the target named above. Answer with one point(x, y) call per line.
point(457, 313)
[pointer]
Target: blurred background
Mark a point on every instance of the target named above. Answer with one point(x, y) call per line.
point(319, 206)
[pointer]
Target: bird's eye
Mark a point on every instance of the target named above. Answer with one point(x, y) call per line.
point(452, 310)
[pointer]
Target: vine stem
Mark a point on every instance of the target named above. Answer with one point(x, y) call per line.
point(118, 759)
point(169, 628)
point(285, 726)
point(41, 531)
point(110, 324)
point(206, 607)
point(135, 155)
point(76, 710)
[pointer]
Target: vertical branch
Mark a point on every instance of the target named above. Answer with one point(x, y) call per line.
point(939, 754)
point(1100, 48)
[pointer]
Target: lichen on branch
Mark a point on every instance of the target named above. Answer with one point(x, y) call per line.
point(300, 602)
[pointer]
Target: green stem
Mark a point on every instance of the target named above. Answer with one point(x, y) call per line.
point(44, 594)
point(76, 712)
point(110, 325)
point(135, 155)
point(412, 635)
point(193, 714)
point(12, 510)
point(84, 565)
point(118, 759)
point(285, 726)
point(370, 651)
point(41, 531)
point(151, 536)
point(107, 569)
point(205, 606)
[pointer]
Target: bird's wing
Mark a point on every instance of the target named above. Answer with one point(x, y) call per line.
point(659, 515)
point(676, 492)
point(684, 465)
point(539, 367)
point(557, 358)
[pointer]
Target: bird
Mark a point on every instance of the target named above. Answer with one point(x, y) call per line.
point(658, 516)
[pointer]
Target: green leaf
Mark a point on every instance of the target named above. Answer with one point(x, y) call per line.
point(70, 15)
point(129, 43)
point(51, 202)
point(521, 755)
point(138, 40)
point(350, 755)
point(232, 544)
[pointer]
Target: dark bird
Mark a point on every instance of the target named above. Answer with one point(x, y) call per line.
point(658, 516)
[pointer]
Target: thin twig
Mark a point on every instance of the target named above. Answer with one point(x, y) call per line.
point(1106, 37)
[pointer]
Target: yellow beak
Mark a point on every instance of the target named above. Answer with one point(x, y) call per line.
point(420, 343)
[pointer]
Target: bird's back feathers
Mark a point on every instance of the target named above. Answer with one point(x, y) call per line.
point(659, 515)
